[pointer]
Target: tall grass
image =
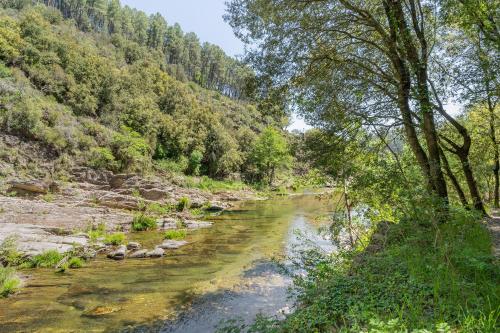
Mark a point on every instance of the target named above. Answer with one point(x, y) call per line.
point(9, 282)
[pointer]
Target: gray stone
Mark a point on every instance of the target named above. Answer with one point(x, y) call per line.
point(172, 244)
point(190, 224)
point(29, 186)
point(119, 253)
point(156, 253)
point(133, 246)
point(138, 254)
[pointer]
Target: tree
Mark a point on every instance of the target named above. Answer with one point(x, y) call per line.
point(370, 60)
point(270, 154)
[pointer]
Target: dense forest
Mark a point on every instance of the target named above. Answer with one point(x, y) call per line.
point(111, 88)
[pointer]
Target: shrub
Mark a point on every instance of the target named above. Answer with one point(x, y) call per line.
point(47, 259)
point(143, 222)
point(183, 204)
point(75, 262)
point(9, 282)
point(96, 232)
point(114, 239)
point(9, 255)
point(158, 209)
point(101, 158)
point(194, 164)
point(4, 71)
point(175, 234)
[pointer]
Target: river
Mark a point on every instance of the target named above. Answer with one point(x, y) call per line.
point(225, 272)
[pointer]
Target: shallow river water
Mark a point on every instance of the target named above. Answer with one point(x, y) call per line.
point(225, 272)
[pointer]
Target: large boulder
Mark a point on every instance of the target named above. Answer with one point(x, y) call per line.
point(30, 187)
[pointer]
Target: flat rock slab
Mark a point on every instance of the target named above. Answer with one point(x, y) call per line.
point(34, 239)
point(64, 215)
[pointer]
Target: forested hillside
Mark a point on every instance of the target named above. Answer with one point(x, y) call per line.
point(108, 87)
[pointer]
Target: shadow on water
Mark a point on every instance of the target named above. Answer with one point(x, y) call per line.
point(225, 272)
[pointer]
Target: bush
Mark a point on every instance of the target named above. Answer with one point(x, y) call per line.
point(115, 239)
point(194, 164)
point(101, 158)
point(183, 204)
point(9, 282)
point(47, 259)
point(4, 71)
point(75, 262)
point(143, 222)
point(175, 234)
point(158, 209)
point(9, 255)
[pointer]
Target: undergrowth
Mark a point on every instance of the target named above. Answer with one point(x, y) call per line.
point(423, 277)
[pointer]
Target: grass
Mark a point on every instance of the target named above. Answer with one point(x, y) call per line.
point(175, 234)
point(212, 185)
point(158, 209)
point(9, 282)
point(47, 259)
point(143, 222)
point(9, 255)
point(183, 204)
point(425, 278)
point(115, 239)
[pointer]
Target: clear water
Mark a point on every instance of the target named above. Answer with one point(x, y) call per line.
point(212, 272)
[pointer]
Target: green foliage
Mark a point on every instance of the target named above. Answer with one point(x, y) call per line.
point(117, 238)
point(101, 158)
point(9, 255)
point(175, 234)
point(9, 282)
point(75, 262)
point(183, 204)
point(213, 185)
point(127, 107)
point(96, 232)
point(47, 259)
point(417, 279)
point(4, 71)
point(270, 154)
point(194, 163)
point(143, 222)
point(159, 209)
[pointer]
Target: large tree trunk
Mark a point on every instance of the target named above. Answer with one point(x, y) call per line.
point(417, 58)
point(471, 182)
point(454, 180)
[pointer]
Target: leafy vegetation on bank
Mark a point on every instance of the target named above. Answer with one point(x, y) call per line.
point(175, 234)
point(143, 222)
point(9, 282)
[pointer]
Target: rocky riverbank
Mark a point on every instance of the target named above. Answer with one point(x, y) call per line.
point(42, 215)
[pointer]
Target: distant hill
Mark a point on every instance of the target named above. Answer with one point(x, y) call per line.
point(106, 86)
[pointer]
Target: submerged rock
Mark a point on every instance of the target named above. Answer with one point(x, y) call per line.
point(119, 253)
point(190, 224)
point(172, 244)
point(100, 311)
point(156, 253)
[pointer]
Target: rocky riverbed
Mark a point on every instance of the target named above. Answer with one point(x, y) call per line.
point(45, 215)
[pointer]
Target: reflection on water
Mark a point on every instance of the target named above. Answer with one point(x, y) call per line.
point(141, 292)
